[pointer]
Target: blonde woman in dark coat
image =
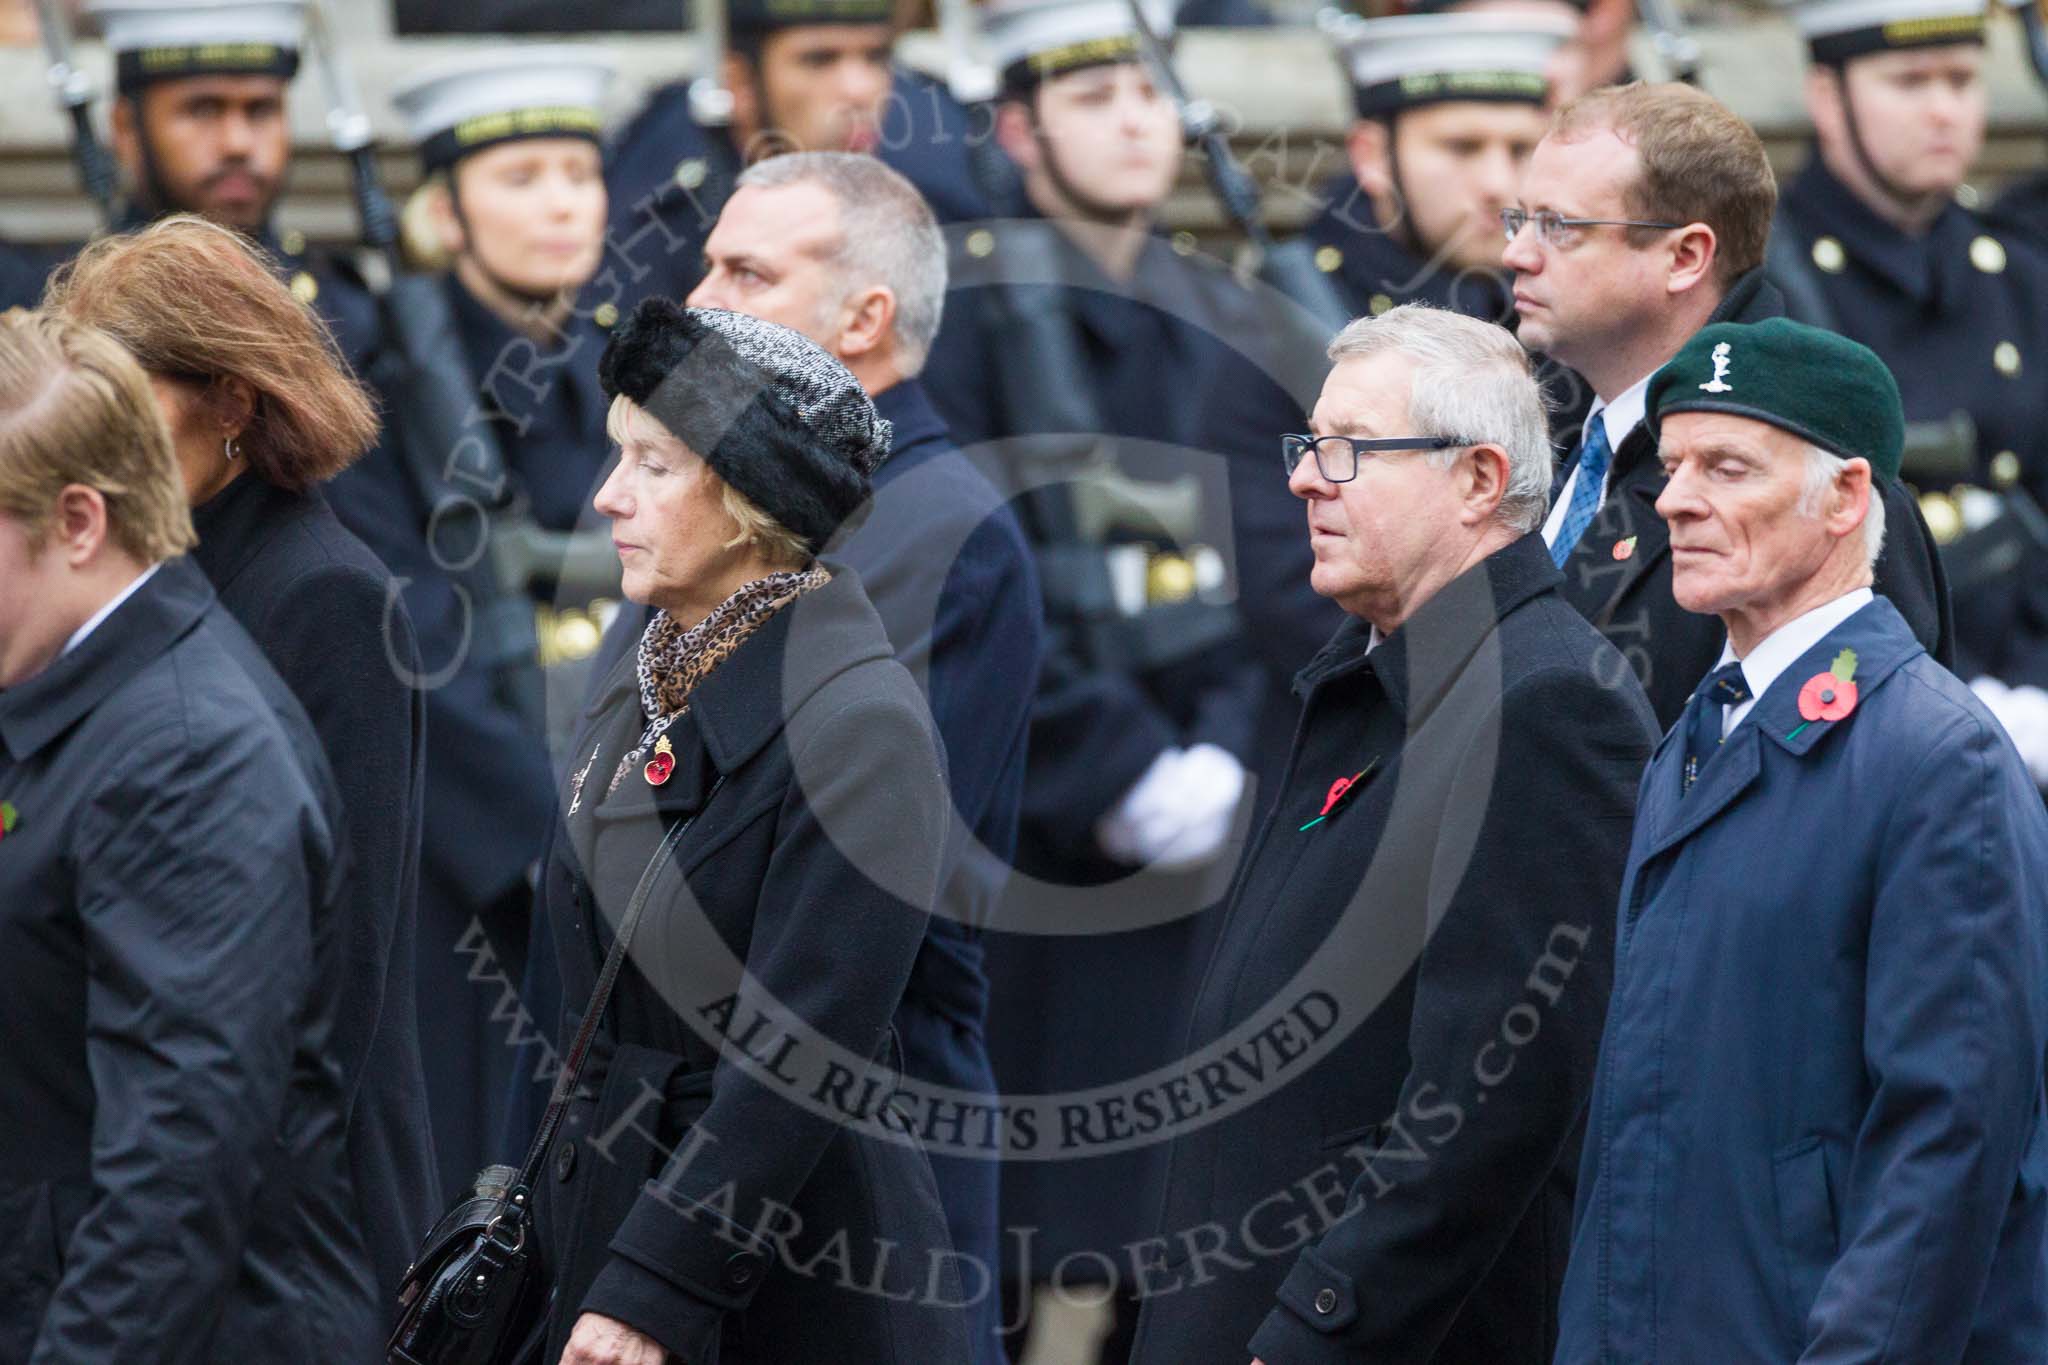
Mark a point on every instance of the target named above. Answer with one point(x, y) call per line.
point(765, 718)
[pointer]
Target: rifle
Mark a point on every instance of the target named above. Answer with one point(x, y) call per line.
point(74, 92)
point(1288, 268)
point(2033, 17)
point(1673, 41)
point(435, 393)
point(970, 79)
point(710, 101)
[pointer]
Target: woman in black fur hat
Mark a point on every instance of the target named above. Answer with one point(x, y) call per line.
point(790, 1217)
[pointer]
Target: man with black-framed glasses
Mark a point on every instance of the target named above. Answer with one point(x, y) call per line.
point(1451, 827)
point(1644, 216)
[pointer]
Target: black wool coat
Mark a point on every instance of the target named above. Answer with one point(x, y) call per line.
point(788, 1223)
point(174, 1179)
point(1409, 986)
point(1626, 591)
point(320, 607)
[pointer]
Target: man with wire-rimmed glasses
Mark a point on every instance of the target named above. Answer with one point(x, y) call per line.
point(1454, 818)
point(1643, 216)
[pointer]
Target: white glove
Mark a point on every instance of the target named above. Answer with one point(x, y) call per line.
point(2023, 711)
point(1178, 815)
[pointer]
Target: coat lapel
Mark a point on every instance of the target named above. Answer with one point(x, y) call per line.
point(1727, 777)
point(1882, 641)
point(1594, 578)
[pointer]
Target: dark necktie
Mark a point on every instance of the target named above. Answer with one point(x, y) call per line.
point(1723, 687)
point(1594, 457)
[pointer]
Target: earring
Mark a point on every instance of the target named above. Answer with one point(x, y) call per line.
point(227, 447)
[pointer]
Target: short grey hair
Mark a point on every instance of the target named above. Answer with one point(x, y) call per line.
point(887, 236)
point(1823, 467)
point(1473, 381)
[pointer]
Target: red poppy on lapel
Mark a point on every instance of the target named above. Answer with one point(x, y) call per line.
point(1830, 695)
point(662, 764)
point(1339, 790)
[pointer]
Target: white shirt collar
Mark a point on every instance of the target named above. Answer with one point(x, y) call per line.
point(1623, 415)
point(93, 622)
point(1781, 649)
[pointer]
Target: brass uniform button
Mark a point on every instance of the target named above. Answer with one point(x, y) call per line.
point(1169, 578)
point(1988, 255)
point(1828, 255)
point(577, 637)
point(293, 242)
point(690, 172)
point(2005, 358)
point(1184, 243)
point(1379, 303)
point(980, 243)
point(304, 287)
point(1328, 258)
point(2005, 469)
point(1944, 519)
point(605, 315)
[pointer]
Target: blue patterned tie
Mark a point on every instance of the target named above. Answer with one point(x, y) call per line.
point(1725, 686)
point(1594, 456)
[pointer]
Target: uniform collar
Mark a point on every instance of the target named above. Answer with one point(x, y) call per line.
point(162, 607)
point(912, 418)
point(1419, 661)
point(485, 335)
point(566, 361)
point(1372, 260)
point(1911, 264)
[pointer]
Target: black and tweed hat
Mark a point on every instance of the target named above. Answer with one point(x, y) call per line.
point(769, 410)
point(1819, 386)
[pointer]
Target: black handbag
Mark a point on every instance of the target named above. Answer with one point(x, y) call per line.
point(476, 1294)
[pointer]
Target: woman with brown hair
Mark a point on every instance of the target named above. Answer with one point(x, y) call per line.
point(261, 411)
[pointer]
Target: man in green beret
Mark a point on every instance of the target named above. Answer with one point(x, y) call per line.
point(1816, 1126)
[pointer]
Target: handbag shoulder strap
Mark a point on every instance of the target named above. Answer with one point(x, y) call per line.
point(600, 998)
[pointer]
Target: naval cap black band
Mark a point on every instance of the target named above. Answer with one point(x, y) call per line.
point(1900, 35)
point(449, 146)
point(1024, 74)
point(144, 66)
point(1437, 87)
point(766, 16)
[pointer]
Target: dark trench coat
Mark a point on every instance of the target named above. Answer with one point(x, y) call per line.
point(317, 603)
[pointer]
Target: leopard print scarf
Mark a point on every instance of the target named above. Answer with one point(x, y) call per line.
point(674, 658)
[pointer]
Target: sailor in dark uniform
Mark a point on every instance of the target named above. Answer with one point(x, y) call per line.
point(1449, 108)
point(798, 75)
point(1082, 387)
point(199, 126)
point(1871, 243)
point(2022, 206)
point(515, 196)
